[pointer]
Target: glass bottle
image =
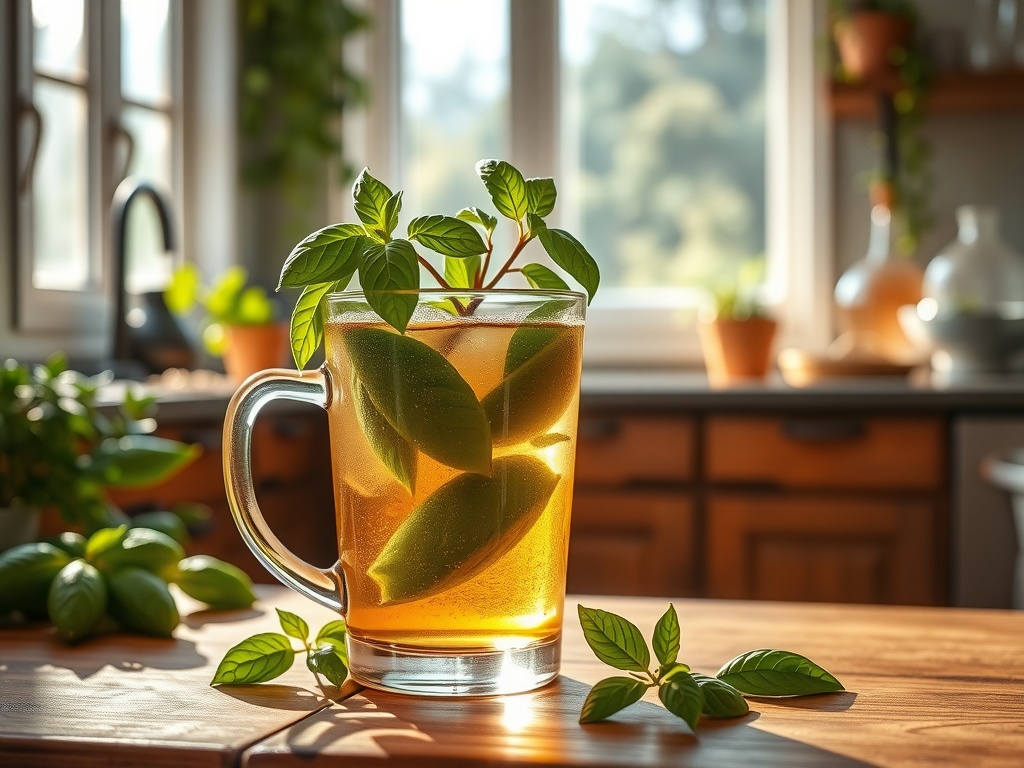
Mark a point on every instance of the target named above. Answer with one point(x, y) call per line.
point(870, 293)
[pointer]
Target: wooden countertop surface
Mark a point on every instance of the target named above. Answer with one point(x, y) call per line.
point(925, 686)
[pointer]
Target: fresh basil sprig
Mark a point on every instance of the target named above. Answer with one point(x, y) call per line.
point(268, 655)
point(390, 267)
point(690, 696)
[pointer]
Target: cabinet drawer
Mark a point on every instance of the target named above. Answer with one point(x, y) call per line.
point(823, 547)
point(639, 543)
point(618, 450)
point(851, 453)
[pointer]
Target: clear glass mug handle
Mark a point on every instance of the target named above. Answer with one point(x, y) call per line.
point(324, 586)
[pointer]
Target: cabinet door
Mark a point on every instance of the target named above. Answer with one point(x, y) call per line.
point(636, 543)
point(823, 548)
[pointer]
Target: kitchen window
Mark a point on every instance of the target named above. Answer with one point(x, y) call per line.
point(97, 99)
point(681, 134)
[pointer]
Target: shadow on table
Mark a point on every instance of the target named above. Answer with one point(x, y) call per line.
point(540, 727)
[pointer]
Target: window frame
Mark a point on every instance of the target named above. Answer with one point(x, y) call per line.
point(83, 318)
point(799, 270)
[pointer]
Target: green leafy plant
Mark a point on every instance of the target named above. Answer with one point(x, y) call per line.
point(689, 696)
point(229, 300)
point(116, 577)
point(269, 655)
point(737, 299)
point(293, 86)
point(389, 268)
point(59, 449)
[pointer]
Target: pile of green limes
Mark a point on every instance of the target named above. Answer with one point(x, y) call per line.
point(117, 573)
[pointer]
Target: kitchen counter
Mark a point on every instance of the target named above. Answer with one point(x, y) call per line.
point(204, 395)
point(924, 686)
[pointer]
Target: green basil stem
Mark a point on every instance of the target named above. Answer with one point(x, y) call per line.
point(478, 279)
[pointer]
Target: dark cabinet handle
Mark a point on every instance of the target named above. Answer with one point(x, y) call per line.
point(824, 430)
point(599, 429)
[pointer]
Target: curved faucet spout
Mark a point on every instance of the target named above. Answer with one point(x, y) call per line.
point(128, 191)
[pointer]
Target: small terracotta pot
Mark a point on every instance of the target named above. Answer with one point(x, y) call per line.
point(864, 40)
point(737, 350)
point(252, 348)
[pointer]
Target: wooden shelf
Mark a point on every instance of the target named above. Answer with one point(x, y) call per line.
point(950, 93)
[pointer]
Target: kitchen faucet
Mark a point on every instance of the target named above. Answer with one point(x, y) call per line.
point(157, 341)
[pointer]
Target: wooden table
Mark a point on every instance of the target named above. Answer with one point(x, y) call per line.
point(924, 686)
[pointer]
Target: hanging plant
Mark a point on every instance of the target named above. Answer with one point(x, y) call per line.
point(293, 88)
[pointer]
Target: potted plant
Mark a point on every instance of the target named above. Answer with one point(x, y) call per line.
point(870, 36)
point(737, 333)
point(59, 450)
point(241, 323)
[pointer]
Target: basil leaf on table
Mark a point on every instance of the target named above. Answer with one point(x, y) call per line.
point(214, 582)
point(293, 625)
point(609, 696)
point(333, 632)
point(720, 698)
point(777, 673)
point(77, 600)
point(26, 572)
point(614, 640)
point(142, 548)
point(423, 397)
point(682, 697)
point(461, 528)
point(256, 659)
point(326, 661)
point(141, 602)
point(666, 637)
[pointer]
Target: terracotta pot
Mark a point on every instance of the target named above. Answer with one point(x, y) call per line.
point(252, 348)
point(737, 350)
point(864, 41)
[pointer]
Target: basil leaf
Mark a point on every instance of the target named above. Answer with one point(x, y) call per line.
point(26, 572)
point(77, 600)
point(446, 235)
point(137, 460)
point(141, 602)
point(163, 521)
point(720, 698)
point(568, 253)
point(255, 660)
point(327, 662)
point(549, 439)
point(614, 640)
point(71, 542)
point(476, 215)
point(293, 625)
point(143, 548)
point(540, 196)
point(461, 272)
point(370, 198)
point(682, 697)
point(506, 186)
point(666, 636)
point(102, 540)
point(422, 396)
point(214, 582)
point(328, 255)
point(543, 278)
point(666, 671)
point(777, 673)
point(394, 451)
point(536, 391)
point(535, 223)
point(609, 696)
point(333, 632)
point(389, 267)
point(390, 216)
point(307, 325)
point(463, 527)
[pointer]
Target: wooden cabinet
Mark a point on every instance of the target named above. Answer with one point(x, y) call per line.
point(822, 548)
point(825, 507)
point(837, 510)
point(632, 543)
point(291, 470)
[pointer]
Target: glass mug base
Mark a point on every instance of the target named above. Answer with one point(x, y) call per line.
point(491, 672)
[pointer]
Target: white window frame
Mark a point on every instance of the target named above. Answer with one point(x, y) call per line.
point(79, 321)
point(661, 331)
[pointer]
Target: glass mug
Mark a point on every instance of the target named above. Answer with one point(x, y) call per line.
point(452, 452)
